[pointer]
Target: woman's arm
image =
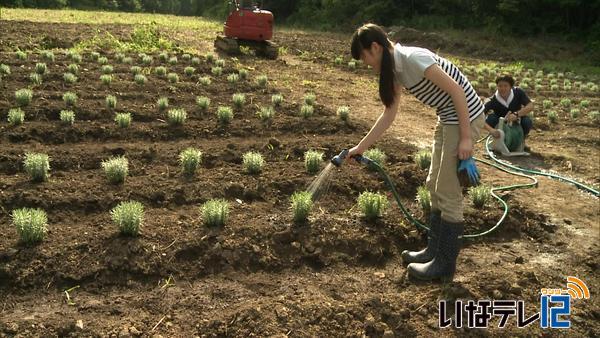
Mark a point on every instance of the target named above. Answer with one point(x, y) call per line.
point(447, 84)
point(384, 121)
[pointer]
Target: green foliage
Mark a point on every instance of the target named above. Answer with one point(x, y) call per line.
point(163, 56)
point(41, 68)
point(243, 73)
point(116, 169)
point(253, 162)
point(123, 120)
point(147, 60)
point(135, 70)
point(262, 81)
point(277, 99)
point(547, 104)
point(190, 159)
point(37, 166)
point(372, 205)
point(552, 116)
point(220, 63)
point(106, 79)
point(565, 102)
point(195, 61)
point(210, 57)
point(173, 60)
point(16, 116)
point(36, 79)
point(176, 117)
point(423, 158)
point(376, 155)
point(233, 78)
point(594, 115)
point(306, 111)
point(480, 195)
point(140, 79)
point(189, 71)
point(48, 55)
point(23, 97)
point(310, 99)
point(266, 113)
point(129, 217)
point(424, 199)
point(162, 104)
point(70, 98)
point(574, 113)
point(173, 77)
point(21, 55)
point(103, 60)
point(343, 113)
point(584, 103)
point(107, 69)
point(73, 68)
point(111, 102)
point(224, 115)
point(67, 117)
point(69, 78)
point(302, 204)
point(238, 100)
point(31, 224)
point(215, 212)
point(205, 81)
point(4, 69)
point(313, 160)
point(160, 71)
point(217, 71)
point(203, 102)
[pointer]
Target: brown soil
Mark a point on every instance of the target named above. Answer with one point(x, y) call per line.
point(261, 274)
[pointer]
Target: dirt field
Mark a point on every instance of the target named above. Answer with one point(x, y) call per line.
point(262, 275)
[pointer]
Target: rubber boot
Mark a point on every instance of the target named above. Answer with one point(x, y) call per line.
point(443, 266)
point(433, 240)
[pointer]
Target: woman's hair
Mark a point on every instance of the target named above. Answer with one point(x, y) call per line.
point(362, 39)
point(506, 78)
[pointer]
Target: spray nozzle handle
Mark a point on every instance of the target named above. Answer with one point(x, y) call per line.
point(338, 159)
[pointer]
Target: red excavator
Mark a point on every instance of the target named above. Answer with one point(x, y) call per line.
point(250, 26)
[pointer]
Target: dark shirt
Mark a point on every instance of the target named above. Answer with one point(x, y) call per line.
point(519, 101)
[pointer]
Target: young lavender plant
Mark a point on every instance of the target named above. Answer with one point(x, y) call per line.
point(309, 99)
point(106, 79)
point(306, 111)
point(302, 204)
point(16, 116)
point(31, 225)
point(67, 117)
point(224, 115)
point(313, 160)
point(205, 81)
point(70, 98)
point(123, 120)
point(189, 71)
point(162, 104)
point(424, 199)
point(160, 71)
point(239, 100)
point(111, 102)
point(277, 100)
point(36, 79)
point(253, 162)
point(69, 78)
point(37, 166)
point(23, 97)
point(173, 77)
point(480, 195)
point(266, 114)
point(116, 169)
point(372, 205)
point(262, 81)
point(343, 113)
point(129, 217)
point(423, 158)
point(140, 79)
point(376, 155)
point(215, 212)
point(203, 102)
point(176, 117)
point(190, 159)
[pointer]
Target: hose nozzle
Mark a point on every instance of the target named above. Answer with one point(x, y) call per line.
point(338, 159)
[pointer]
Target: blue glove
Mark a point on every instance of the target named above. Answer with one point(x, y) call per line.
point(468, 175)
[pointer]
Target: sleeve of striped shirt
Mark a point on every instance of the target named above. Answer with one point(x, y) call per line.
point(421, 60)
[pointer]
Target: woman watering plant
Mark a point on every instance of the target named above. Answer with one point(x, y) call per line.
point(436, 82)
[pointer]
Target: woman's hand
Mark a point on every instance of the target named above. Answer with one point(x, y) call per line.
point(495, 133)
point(357, 150)
point(465, 148)
point(511, 117)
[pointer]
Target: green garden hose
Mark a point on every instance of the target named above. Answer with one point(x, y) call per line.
point(500, 165)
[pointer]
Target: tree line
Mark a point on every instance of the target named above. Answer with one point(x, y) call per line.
point(577, 18)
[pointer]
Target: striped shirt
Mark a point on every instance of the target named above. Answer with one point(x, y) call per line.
point(411, 63)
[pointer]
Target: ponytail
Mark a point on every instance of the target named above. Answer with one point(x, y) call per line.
point(362, 39)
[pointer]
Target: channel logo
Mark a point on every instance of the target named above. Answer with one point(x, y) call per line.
point(555, 307)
